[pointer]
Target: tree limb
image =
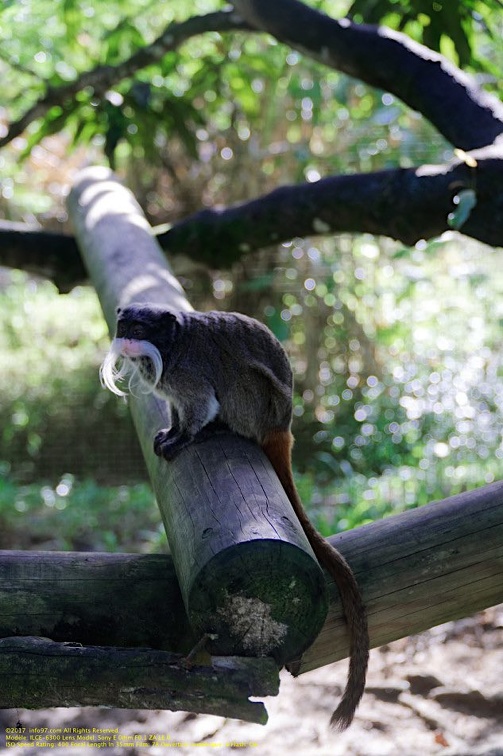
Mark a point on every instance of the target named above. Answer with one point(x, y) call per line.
point(42, 673)
point(102, 78)
point(424, 80)
point(404, 204)
point(44, 253)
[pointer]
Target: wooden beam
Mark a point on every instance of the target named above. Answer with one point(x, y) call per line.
point(417, 569)
point(247, 573)
point(42, 673)
point(95, 599)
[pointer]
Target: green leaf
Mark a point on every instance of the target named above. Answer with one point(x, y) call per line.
point(465, 201)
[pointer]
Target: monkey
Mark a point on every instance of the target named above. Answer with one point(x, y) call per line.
point(228, 368)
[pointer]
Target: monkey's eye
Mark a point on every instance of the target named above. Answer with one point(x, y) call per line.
point(137, 331)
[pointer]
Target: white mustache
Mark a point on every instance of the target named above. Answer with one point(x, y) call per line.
point(126, 350)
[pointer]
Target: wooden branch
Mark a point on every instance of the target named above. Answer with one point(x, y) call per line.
point(229, 523)
point(94, 599)
point(38, 673)
point(104, 77)
point(417, 569)
point(424, 80)
point(405, 204)
point(45, 253)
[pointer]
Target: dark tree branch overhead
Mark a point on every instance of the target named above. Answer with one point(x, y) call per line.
point(405, 204)
point(426, 81)
point(44, 253)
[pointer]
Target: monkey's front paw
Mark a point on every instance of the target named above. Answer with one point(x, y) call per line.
point(162, 442)
point(167, 444)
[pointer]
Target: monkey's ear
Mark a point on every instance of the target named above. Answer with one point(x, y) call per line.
point(169, 317)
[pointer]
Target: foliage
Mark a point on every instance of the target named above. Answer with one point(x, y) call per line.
point(214, 81)
point(54, 416)
point(450, 28)
point(398, 366)
point(397, 352)
point(406, 366)
point(80, 516)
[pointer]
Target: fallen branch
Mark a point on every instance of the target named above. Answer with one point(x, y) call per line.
point(39, 673)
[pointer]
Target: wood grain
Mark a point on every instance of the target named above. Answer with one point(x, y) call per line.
point(417, 569)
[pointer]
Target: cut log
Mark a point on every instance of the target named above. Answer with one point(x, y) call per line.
point(417, 569)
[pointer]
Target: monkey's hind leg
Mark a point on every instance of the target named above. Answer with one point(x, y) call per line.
point(190, 422)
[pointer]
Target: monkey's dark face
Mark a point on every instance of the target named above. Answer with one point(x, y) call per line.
point(139, 322)
point(143, 332)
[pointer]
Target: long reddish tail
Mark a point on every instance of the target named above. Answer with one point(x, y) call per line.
point(277, 446)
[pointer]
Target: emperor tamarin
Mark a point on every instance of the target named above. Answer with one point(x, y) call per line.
point(231, 368)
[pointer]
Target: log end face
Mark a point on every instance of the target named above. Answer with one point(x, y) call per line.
point(263, 598)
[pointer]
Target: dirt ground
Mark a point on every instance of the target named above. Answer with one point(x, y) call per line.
point(440, 692)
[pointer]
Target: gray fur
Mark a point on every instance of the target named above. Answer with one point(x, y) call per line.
point(213, 357)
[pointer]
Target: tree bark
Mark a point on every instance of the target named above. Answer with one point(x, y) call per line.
point(405, 204)
point(94, 599)
point(43, 253)
point(424, 80)
point(418, 569)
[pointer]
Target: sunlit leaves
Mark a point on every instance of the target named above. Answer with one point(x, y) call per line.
point(234, 81)
point(398, 358)
point(445, 26)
